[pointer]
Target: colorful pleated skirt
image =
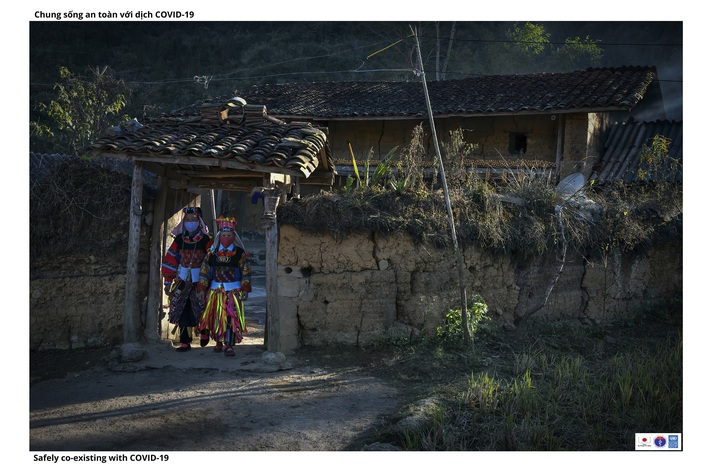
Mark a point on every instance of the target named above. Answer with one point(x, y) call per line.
point(224, 316)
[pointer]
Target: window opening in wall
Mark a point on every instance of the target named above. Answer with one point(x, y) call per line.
point(518, 143)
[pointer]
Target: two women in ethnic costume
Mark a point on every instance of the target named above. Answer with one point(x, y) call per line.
point(207, 281)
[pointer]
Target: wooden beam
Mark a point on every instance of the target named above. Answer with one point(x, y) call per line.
point(224, 175)
point(320, 179)
point(560, 144)
point(209, 162)
point(156, 168)
point(131, 307)
point(241, 185)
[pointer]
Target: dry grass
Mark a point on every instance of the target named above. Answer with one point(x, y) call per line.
point(76, 204)
point(516, 210)
point(81, 200)
point(627, 218)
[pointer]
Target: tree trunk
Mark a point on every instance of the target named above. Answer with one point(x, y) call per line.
point(448, 52)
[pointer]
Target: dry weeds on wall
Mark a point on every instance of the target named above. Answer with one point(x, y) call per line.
point(627, 219)
point(79, 205)
point(406, 197)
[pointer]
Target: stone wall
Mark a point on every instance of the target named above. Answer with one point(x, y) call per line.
point(369, 287)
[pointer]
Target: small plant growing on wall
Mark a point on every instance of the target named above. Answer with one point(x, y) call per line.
point(659, 168)
point(378, 176)
point(452, 332)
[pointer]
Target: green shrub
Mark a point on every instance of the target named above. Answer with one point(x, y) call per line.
point(452, 331)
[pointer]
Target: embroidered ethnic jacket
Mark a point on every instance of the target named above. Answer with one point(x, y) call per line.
point(226, 266)
point(185, 251)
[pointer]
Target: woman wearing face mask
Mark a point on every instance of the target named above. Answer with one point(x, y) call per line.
point(181, 272)
point(226, 273)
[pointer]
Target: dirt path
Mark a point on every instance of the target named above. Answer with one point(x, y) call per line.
point(95, 400)
point(202, 401)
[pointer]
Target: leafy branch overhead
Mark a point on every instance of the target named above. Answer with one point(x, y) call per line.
point(533, 45)
point(81, 110)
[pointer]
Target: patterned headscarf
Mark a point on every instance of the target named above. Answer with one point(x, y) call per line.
point(227, 224)
point(180, 227)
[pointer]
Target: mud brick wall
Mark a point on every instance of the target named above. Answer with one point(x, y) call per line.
point(367, 287)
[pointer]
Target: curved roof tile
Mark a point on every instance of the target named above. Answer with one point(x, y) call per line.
point(257, 140)
point(594, 89)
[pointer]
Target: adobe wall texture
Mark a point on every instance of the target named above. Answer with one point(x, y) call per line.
point(77, 300)
point(366, 287)
point(78, 303)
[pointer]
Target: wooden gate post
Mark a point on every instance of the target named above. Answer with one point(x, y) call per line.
point(155, 284)
point(268, 220)
point(131, 306)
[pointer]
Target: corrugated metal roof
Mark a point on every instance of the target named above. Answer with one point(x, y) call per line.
point(594, 89)
point(621, 160)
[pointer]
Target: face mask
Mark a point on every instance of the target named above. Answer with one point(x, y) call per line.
point(191, 226)
point(226, 241)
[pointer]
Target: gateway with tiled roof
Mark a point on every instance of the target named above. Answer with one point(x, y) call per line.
point(222, 145)
point(221, 142)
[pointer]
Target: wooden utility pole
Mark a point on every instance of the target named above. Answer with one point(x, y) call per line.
point(459, 256)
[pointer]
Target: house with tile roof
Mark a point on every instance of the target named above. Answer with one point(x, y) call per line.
point(301, 133)
point(554, 121)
